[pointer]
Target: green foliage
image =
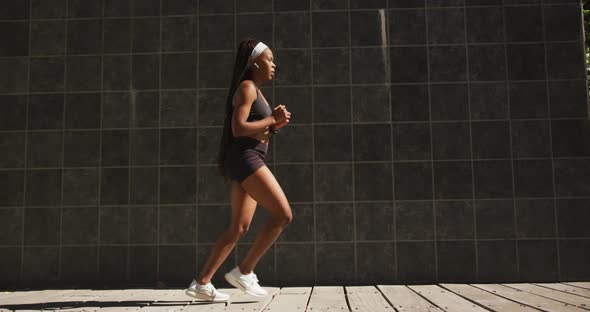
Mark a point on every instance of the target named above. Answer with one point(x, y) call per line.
point(586, 10)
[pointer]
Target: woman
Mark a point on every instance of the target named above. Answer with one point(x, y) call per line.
point(248, 126)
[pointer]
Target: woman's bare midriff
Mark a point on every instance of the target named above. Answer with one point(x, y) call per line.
point(262, 137)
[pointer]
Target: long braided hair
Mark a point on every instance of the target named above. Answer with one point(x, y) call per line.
point(240, 73)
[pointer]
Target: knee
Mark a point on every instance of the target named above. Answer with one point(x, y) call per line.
point(237, 231)
point(283, 220)
point(288, 219)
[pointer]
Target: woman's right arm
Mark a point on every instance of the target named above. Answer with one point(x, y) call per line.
point(244, 97)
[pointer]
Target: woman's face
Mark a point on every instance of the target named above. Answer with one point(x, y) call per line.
point(266, 65)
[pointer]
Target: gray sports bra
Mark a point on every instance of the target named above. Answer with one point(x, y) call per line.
point(259, 108)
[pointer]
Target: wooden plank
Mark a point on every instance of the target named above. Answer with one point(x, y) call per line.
point(31, 297)
point(12, 294)
point(148, 295)
point(487, 299)
point(82, 295)
point(83, 300)
point(113, 300)
point(117, 309)
point(406, 300)
point(527, 298)
point(177, 295)
point(199, 306)
point(120, 308)
point(202, 305)
point(240, 301)
point(585, 285)
point(164, 303)
point(167, 300)
point(290, 299)
point(78, 309)
point(162, 307)
point(327, 298)
point(366, 299)
point(557, 295)
point(63, 295)
point(567, 288)
point(48, 299)
point(7, 295)
point(446, 300)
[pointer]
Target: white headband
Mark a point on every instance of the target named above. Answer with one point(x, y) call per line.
point(258, 49)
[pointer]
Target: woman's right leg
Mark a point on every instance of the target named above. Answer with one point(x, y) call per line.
point(243, 207)
point(265, 189)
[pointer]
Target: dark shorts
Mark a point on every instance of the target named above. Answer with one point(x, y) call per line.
point(245, 156)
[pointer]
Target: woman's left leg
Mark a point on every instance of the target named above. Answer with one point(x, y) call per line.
point(243, 208)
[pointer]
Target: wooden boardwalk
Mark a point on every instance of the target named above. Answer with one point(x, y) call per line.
point(573, 296)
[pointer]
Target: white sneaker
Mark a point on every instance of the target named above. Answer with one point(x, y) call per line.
point(205, 292)
point(247, 283)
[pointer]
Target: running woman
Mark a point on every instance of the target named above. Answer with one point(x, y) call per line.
point(248, 126)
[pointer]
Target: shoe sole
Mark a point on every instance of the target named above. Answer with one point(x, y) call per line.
point(234, 282)
point(203, 296)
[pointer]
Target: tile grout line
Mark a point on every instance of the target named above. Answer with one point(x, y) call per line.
point(480, 82)
point(433, 200)
point(65, 89)
point(297, 49)
point(296, 11)
point(313, 160)
point(581, 238)
point(236, 46)
point(323, 124)
point(305, 202)
point(196, 46)
point(274, 149)
point(160, 50)
point(131, 134)
point(386, 51)
point(547, 90)
point(468, 83)
point(354, 238)
point(308, 163)
point(101, 132)
point(25, 169)
point(507, 93)
point(100, 147)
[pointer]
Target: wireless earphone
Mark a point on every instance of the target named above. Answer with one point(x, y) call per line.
point(256, 65)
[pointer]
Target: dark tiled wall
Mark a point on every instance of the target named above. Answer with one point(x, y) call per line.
point(431, 140)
